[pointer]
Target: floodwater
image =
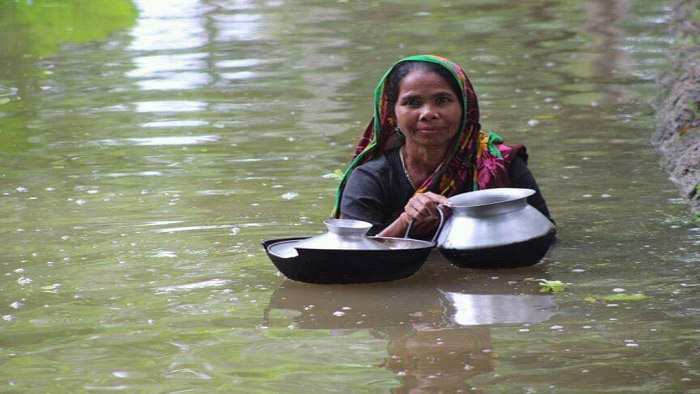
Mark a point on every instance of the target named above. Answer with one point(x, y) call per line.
point(145, 156)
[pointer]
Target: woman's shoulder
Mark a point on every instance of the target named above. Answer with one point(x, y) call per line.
point(379, 164)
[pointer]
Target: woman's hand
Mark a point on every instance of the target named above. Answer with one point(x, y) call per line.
point(422, 209)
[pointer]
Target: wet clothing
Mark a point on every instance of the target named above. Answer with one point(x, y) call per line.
point(378, 190)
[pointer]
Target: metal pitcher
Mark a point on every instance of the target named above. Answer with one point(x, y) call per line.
point(494, 228)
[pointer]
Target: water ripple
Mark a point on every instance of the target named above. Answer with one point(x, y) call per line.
point(194, 286)
point(170, 106)
point(175, 140)
point(177, 123)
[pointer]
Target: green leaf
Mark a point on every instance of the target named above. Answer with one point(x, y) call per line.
point(551, 286)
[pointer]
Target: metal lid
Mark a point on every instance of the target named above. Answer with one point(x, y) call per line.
point(343, 234)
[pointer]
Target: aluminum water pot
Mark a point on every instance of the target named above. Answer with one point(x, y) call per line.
point(495, 228)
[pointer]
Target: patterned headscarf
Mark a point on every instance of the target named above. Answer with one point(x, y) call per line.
point(473, 161)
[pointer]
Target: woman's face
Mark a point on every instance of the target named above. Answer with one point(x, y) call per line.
point(427, 110)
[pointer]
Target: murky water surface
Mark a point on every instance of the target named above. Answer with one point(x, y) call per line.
point(145, 156)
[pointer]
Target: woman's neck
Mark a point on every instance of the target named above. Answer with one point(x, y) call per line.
point(422, 161)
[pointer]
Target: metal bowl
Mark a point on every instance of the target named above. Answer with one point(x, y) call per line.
point(403, 258)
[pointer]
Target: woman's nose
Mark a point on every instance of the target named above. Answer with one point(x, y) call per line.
point(428, 112)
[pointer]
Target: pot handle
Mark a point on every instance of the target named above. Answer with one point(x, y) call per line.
point(437, 232)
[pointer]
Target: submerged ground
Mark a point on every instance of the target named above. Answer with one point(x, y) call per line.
point(678, 137)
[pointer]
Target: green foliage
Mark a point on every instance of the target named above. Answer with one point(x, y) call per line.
point(696, 16)
point(39, 26)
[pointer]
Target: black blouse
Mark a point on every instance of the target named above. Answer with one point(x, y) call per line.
point(378, 189)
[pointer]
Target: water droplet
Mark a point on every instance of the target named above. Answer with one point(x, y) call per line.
point(338, 313)
point(533, 122)
point(290, 196)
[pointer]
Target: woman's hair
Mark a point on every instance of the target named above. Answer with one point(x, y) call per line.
point(399, 72)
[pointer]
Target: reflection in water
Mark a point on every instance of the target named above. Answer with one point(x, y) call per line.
point(436, 323)
point(437, 359)
point(476, 309)
point(607, 60)
point(167, 25)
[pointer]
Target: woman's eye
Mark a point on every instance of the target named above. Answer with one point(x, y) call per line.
point(443, 100)
point(412, 103)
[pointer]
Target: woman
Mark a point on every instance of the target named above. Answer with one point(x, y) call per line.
point(423, 146)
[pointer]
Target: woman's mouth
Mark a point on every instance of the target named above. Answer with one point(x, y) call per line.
point(430, 130)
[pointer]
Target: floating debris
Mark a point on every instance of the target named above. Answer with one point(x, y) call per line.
point(551, 286)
